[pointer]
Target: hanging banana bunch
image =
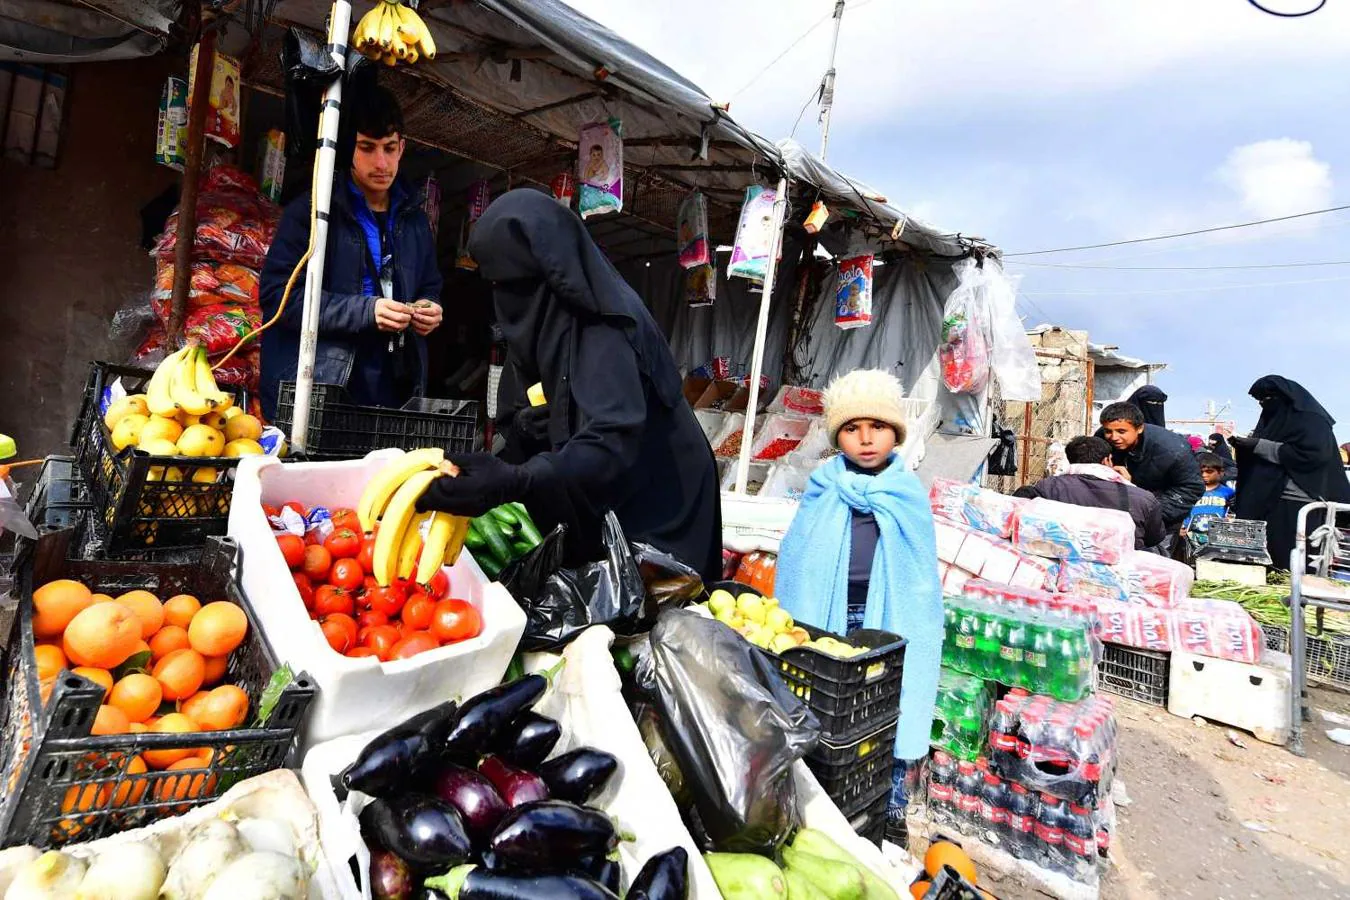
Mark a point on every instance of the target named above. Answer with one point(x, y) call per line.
point(392, 33)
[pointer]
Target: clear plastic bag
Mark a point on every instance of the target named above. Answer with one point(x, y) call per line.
point(964, 351)
point(982, 335)
point(733, 727)
point(1066, 750)
point(969, 504)
point(1080, 533)
point(1155, 580)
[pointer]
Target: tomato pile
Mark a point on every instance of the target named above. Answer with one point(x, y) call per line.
point(357, 616)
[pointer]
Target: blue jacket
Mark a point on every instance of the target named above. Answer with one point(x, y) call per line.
point(352, 352)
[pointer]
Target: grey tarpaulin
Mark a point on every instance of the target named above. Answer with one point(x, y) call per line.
point(43, 32)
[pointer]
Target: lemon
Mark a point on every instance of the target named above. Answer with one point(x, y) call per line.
point(201, 440)
point(127, 431)
point(243, 427)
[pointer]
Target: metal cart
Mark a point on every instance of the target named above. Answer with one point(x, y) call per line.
point(1326, 550)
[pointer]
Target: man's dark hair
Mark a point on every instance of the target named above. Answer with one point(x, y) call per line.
point(1123, 412)
point(375, 113)
point(1208, 460)
point(1087, 449)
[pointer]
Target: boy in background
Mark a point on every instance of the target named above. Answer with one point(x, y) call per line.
point(1215, 501)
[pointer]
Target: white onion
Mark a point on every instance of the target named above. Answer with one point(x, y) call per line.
point(261, 876)
point(130, 871)
point(52, 876)
point(210, 847)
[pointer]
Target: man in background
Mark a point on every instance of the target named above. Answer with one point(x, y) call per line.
point(1155, 459)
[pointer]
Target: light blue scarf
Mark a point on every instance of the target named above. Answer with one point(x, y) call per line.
point(904, 595)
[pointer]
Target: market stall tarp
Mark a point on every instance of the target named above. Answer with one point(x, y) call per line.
point(45, 32)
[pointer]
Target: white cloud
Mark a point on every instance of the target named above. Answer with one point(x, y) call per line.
point(1277, 177)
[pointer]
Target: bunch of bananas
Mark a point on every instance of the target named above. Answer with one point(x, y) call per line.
point(184, 383)
point(402, 549)
point(392, 33)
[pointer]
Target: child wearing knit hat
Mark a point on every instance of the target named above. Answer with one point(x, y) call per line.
point(884, 572)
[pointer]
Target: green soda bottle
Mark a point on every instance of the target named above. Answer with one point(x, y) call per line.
point(988, 643)
point(1012, 652)
point(1037, 657)
point(968, 628)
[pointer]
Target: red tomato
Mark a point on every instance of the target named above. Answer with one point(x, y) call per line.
point(418, 612)
point(367, 555)
point(340, 630)
point(329, 599)
point(292, 550)
point(369, 584)
point(302, 584)
point(271, 511)
point(388, 600)
point(439, 586)
point(346, 518)
point(370, 618)
point(381, 638)
point(317, 563)
point(455, 620)
point(298, 507)
point(414, 643)
point(312, 538)
point(346, 573)
point(358, 652)
point(343, 543)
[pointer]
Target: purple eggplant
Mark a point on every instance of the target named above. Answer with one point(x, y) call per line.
point(602, 870)
point(551, 835)
point(426, 832)
point(399, 756)
point(516, 786)
point(527, 740)
point(389, 877)
point(474, 796)
point(473, 883)
point(663, 877)
point(484, 716)
point(579, 775)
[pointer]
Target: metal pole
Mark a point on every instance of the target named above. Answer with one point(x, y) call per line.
point(325, 159)
point(192, 172)
point(827, 85)
point(761, 330)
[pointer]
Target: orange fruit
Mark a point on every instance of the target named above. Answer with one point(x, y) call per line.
point(102, 635)
point(216, 667)
point(56, 603)
point(217, 628)
point(102, 598)
point(173, 723)
point(83, 798)
point(179, 610)
point(945, 853)
point(110, 720)
point(131, 790)
point(50, 661)
point(101, 677)
point(219, 709)
point(187, 787)
point(138, 695)
point(919, 889)
point(137, 728)
point(180, 673)
point(168, 639)
point(147, 608)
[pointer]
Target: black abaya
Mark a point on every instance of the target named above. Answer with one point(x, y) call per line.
point(1150, 399)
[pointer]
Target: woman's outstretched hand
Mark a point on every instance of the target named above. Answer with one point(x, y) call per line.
point(484, 483)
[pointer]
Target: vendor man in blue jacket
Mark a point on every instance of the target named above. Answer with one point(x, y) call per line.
point(381, 287)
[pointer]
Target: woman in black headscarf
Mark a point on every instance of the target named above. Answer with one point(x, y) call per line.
point(617, 432)
point(1290, 460)
point(1218, 445)
point(1150, 399)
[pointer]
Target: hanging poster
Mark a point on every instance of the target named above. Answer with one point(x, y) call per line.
point(600, 167)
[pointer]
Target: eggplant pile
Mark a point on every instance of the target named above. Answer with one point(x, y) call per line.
point(469, 806)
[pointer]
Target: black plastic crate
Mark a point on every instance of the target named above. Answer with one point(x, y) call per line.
point(1141, 675)
point(870, 822)
point(853, 773)
point(340, 429)
point(60, 496)
point(1328, 657)
point(136, 505)
point(60, 784)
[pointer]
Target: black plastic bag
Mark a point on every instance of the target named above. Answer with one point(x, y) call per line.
point(667, 580)
point(733, 727)
point(561, 602)
point(307, 69)
point(1003, 458)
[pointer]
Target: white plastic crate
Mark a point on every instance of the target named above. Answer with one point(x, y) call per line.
point(1253, 698)
point(351, 691)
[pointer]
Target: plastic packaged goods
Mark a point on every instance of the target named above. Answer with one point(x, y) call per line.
point(965, 348)
point(960, 713)
point(1067, 750)
point(1155, 580)
point(1019, 646)
point(700, 286)
point(853, 292)
point(1079, 533)
point(754, 235)
point(1132, 625)
point(692, 229)
point(600, 167)
point(234, 223)
point(984, 510)
point(1096, 580)
point(1217, 628)
point(171, 131)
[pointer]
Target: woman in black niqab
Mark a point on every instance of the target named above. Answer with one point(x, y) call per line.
point(1289, 461)
point(618, 433)
point(1218, 445)
point(1150, 399)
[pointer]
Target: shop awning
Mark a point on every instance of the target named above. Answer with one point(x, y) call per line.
point(47, 32)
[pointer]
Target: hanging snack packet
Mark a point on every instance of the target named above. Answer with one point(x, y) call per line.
point(600, 165)
point(853, 293)
point(754, 235)
point(819, 215)
point(695, 249)
point(222, 115)
point(431, 204)
point(564, 188)
point(171, 134)
point(700, 286)
point(480, 195)
point(272, 164)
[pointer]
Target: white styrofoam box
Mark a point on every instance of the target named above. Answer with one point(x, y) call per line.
point(949, 539)
point(1241, 573)
point(351, 690)
point(778, 425)
point(755, 523)
point(1253, 698)
point(711, 421)
point(954, 582)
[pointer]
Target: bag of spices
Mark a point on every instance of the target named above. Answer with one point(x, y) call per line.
point(600, 166)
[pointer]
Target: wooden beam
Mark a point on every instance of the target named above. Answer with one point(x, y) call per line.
point(557, 104)
point(187, 204)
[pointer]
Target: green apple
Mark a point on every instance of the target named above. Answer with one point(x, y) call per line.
point(721, 604)
point(779, 619)
point(752, 607)
point(782, 642)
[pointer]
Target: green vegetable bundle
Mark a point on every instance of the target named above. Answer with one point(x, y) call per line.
point(501, 536)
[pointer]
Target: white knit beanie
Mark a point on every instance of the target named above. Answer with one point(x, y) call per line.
point(865, 394)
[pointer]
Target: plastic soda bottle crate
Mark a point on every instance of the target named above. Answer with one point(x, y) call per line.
point(961, 714)
point(1043, 652)
point(63, 784)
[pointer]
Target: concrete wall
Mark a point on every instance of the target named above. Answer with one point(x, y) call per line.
point(69, 246)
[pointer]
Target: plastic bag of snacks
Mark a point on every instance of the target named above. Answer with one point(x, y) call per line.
point(1092, 579)
point(1218, 628)
point(853, 292)
point(754, 235)
point(211, 283)
point(234, 223)
point(219, 328)
point(968, 503)
point(700, 286)
point(600, 164)
point(694, 247)
point(1155, 580)
point(964, 351)
point(1064, 531)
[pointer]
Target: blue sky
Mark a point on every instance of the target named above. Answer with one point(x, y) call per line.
point(1062, 123)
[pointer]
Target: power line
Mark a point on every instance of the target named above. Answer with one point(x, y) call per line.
point(1295, 265)
point(1180, 234)
point(1187, 290)
point(793, 46)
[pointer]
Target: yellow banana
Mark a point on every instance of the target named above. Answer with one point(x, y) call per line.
point(183, 387)
point(394, 525)
point(387, 25)
point(425, 42)
point(410, 549)
point(388, 480)
point(433, 548)
point(157, 395)
point(456, 543)
point(206, 383)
